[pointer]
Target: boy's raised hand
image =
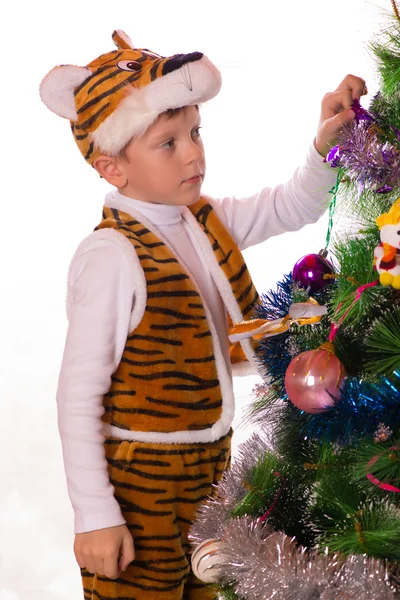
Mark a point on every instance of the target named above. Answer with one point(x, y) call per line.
point(336, 111)
point(105, 551)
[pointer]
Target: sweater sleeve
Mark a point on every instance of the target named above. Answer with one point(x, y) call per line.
point(100, 300)
point(286, 207)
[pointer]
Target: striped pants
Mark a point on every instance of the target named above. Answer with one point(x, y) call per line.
point(159, 487)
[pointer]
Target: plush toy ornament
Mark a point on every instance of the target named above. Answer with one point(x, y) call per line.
point(387, 254)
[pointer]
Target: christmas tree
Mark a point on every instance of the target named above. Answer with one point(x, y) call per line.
point(311, 508)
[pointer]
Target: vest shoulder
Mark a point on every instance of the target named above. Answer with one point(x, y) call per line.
point(109, 236)
point(114, 240)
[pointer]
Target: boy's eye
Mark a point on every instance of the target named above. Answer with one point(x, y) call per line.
point(168, 144)
point(196, 130)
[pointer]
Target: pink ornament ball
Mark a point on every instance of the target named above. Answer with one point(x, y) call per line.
point(313, 377)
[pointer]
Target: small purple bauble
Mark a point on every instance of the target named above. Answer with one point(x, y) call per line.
point(313, 271)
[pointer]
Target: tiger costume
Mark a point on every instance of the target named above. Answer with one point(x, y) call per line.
point(168, 412)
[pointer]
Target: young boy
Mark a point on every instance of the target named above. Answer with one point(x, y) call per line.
point(145, 397)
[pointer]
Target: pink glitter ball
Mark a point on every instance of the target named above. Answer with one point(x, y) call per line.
point(313, 377)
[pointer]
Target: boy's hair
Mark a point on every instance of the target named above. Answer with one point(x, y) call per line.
point(121, 93)
point(168, 115)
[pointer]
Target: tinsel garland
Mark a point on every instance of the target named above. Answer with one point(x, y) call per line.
point(367, 159)
point(363, 407)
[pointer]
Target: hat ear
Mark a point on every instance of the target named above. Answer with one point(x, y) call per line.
point(122, 40)
point(57, 89)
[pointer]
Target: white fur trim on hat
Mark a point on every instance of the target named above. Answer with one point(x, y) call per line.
point(57, 89)
point(132, 117)
point(193, 83)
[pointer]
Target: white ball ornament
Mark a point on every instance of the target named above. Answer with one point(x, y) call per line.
point(208, 560)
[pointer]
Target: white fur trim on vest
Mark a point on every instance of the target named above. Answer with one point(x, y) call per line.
point(222, 283)
point(137, 272)
point(193, 83)
point(222, 426)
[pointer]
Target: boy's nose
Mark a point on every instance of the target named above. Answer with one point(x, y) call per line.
point(194, 153)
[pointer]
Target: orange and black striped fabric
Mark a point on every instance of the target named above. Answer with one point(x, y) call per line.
point(167, 380)
point(159, 487)
point(113, 76)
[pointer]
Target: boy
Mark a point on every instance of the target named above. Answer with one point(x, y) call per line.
point(145, 397)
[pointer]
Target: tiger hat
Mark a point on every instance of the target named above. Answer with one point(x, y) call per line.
point(120, 94)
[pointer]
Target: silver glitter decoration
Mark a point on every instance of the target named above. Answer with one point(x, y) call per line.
point(266, 565)
point(214, 514)
point(368, 161)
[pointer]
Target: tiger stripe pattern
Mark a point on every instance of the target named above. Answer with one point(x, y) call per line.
point(159, 487)
point(113, 74)
point(167, 380)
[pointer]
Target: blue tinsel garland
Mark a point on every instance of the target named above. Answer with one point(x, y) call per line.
point(363, 406)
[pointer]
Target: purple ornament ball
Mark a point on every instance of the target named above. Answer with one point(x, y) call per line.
point(313, 271)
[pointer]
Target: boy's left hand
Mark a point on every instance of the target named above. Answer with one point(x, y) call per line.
point(336, 111)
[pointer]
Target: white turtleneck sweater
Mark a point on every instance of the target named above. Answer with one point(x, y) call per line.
point(100, 300)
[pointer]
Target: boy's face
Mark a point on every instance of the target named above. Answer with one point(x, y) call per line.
point(166, 165)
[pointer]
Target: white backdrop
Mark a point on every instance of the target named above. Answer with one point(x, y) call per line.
point(277, 60)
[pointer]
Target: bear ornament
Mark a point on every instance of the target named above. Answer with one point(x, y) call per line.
point(387, 254)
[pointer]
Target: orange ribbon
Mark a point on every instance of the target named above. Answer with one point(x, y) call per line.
point(300, 313)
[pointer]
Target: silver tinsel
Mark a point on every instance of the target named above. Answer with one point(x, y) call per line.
point(266, 565)
point(262, 564)
point(368, 161)
point(215, 514)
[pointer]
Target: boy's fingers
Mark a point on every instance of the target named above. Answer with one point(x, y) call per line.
point(99, 566)
point(335, 103)
point(127, 552)
point(90, 566)
point(336, 123)
point(333, 125)
point(328, 132)
point(355, 84)
point(79, 559)
point(111, 568)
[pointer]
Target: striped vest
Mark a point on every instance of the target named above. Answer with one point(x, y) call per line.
point(169, 377)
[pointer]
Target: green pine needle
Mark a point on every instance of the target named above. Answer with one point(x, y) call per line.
point(383, 345)
point(347, 521)
point(262, 483)
point(366, 209)
point(387, 119)
point(386, 466)
point(388, 60)
point(228, 593)
point(374, 530)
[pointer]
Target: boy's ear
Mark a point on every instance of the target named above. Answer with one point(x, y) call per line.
point(110, 169)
